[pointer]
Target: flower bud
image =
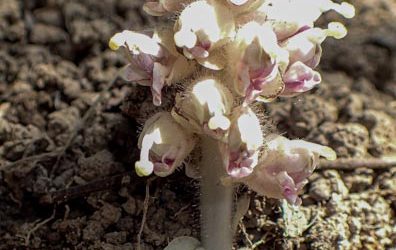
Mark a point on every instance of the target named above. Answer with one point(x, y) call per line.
point(204, 108)
point(203, 27)
point(256, 60)
point(151, 61)
point(241, 151)
point(163, 145)
point(299, 78)
point(283, 170)
point(162, 7)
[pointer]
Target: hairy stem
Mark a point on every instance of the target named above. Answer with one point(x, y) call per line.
point(216, 200)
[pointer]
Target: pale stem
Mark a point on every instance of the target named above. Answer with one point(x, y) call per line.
point(216, 199)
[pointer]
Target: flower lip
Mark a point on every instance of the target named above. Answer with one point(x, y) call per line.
point(136, 42)
point(299, 78)
point(238, 2)
point(163, 168)
point(219, 122)
point(241, 151)
point(144, 168)
point(240, 164)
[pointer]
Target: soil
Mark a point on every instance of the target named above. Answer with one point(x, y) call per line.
point(54, 62)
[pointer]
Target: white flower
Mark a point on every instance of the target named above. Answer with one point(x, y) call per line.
point(283, 171)
point(257, 60)
point(202, 28)
point(154, 61)
point(289, 16)
point(241, 150)
point(204, 108)
point(163, 144)
point(305, 46)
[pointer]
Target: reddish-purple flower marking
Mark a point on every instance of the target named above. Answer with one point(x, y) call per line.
point(240, 152)
point(299, 78)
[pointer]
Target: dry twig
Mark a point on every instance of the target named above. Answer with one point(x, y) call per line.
point(38, 226)
point(32, 158)
point(121, 179)
point(354, 163)
point(105, 183)
point(262, 241)
point(245, 234)
point(145, 208)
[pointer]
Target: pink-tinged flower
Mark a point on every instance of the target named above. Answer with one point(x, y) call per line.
point(163, 145)
point(305, 46)
point(283, 170)
point(257, 60)
point(151, 61)
point(162, 7)
point(204, 108)
point(202, 29)
point(299, 78)
point(288, 17)
point(240, 152)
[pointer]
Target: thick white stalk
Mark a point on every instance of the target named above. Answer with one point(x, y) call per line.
point(216, 200)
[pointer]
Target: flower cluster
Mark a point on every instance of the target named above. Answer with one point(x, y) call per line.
point(230, 54)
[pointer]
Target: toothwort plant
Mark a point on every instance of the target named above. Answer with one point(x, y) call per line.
point(228, 55)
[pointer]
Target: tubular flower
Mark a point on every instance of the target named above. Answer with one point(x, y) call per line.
point(290, 16)
point(151, 63)
point(305, 46)
point(162, 7)
point(284, 169)
point(203, 28)
point(258, 61)
point(204, 108)
point(241, 151)
point(163, 145)
point(299, 78)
